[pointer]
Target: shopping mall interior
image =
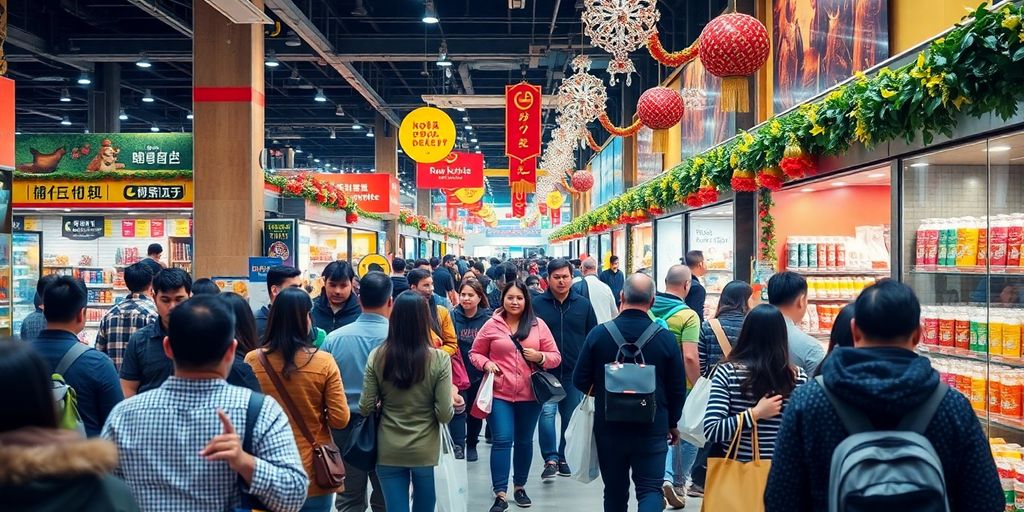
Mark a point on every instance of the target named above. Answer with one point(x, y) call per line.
point(847, 140)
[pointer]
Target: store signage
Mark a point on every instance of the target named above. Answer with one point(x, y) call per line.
point(81, 227)
point(7, 159)
point(280, 240)
point(427, 134)
point(522, 121)
point(259, 266)
point(111, 193)
point(371, 263)
point(375, 193)
point(156, 228)
point(18, 223)
point(556, 216)
point(68, 154)
point(457, 170)
point(503, 231)
point(128, 228)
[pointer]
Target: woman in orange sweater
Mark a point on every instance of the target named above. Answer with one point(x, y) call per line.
point(311, 380)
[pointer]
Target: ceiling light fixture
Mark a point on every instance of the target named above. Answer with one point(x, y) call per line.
point(148, 97)
point(154, 128)
point(465, 119)
point(807, 190)
point(356, 125)
point(877, 175)
point(370, 133)
point(65, 121)
point(320, 98)
point(298, 150)
point(469, 127)
point(64, 96)
point(84, 79)
point(122, 115)
point(293, 40)
point(998, 149)
point(359, 9)
point(333, 134)
point(474, 140)
point(340, 112)
point(460, 109)
point(918, 165)
point(143, 62)
point(316, 160)
point(271, 60)
point(189, 116)
point(839, 184)
point(430, 14)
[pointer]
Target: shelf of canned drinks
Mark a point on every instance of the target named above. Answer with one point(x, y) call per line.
point(994, 390)
point(811, 272)
point(967, 355)
point(970, 271)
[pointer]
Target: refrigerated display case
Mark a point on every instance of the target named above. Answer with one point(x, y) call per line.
point(27, 269)
point(963, 217)
point(5, 285)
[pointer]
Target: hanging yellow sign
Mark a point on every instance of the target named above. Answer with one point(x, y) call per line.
point(554, 199)
point(469, 195)
point(427, 135)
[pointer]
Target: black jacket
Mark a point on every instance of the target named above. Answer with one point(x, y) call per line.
point(399, 285)
point(50, 470)
point(662, 352)
point(884, 383)
point(615, 280)
point(325, 318)
point(696, 298)
point(466, 329)
point(570, 322)
point(241, 374)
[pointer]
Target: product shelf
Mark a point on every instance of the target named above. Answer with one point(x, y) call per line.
point(831, 299)
point(970, 356)
point(970, 271)
point(999, 420)
point(104, 286)
point(844, 272)
point(100, 304)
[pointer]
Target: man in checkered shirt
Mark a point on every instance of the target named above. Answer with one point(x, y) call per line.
point(128, 316)
point(180, 445)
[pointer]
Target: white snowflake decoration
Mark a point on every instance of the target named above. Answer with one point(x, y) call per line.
point(620, 27)
point(581, 98)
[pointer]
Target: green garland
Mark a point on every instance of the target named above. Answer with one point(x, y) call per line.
point(767, 255)
point(170, 175)
point(975, 70)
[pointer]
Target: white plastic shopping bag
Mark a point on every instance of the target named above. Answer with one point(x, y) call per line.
point(691, 425)
point(451, 477)
point(484, 398)
point(580, 443)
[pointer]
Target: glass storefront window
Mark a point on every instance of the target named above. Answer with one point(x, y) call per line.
point(619, 246)
point(606, 250)
point(592, 246)
point(643, 248)
point(670, 246)
point(363, 243)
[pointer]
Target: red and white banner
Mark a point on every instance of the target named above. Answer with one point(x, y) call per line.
point(522, 120)
point(556, 216)
point(457, 170)
point(522, 174)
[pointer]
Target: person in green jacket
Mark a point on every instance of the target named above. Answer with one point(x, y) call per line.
point(412, 382)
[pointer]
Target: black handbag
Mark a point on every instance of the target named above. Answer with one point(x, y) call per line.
point(546, 387)
point(361, 450)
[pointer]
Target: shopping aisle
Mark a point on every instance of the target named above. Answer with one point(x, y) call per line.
point(561, 495)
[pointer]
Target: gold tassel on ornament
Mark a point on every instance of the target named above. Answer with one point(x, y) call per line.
point(735, 94)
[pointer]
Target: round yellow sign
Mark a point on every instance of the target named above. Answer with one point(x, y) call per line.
point(469, 195)
point(427, 135)
point(372, 262)
point(554, 199)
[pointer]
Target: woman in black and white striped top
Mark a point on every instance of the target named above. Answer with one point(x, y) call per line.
point(757, 378)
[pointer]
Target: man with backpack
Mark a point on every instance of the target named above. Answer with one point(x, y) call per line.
point(882, 393)
point(670, 309)
point(632, 430)
point(90, 375)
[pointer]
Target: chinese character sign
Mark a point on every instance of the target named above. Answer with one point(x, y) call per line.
point(112, 193)
point(80, 227)
point(76, 153)
point(457, 170)
point(522, 121)
point(375, 193)
point(427, 134)
point(522, 174)
point(518, 204)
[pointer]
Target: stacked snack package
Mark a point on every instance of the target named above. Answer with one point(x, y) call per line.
point(971, 242)
point(969, 329)
point(1009, 458)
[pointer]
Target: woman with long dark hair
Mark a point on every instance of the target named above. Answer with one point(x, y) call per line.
point(757, 379)
point(469, 316)
point(310, 378)
point(245, 334)
point(411, 381)
point(43, 467)
point(841, 335)
point(515, 409)
point(736, 300)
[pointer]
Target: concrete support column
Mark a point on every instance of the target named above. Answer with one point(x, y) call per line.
point(423, 202)
point(105, 98)
point(385, 160)
point(228, 106)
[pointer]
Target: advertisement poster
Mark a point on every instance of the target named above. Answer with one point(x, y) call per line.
point(457, 170)
point(280, 239)
point(7, 159)
point(375, 193)
point(704, 124)
point(81, 227)
point(427, 134)
point(818, 43)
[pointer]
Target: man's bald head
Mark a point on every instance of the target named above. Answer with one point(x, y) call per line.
point(589, 266)
point(678, 280)
point(638, 292)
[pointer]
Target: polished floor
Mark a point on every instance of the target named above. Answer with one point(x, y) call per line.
point(560, 495)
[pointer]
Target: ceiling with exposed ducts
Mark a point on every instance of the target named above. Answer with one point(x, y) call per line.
point(362, 57)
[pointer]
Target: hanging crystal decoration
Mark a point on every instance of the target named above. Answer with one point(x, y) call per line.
point(620, 27)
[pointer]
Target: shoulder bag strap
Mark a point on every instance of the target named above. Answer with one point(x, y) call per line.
point(854, 420)
point(519, 348)
point(613, 330)
point(70, 357)
point(648, 335)
point(286, 398)
point(723, 341)
point(918, 419)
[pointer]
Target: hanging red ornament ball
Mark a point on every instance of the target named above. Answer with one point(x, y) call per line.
point(734, 46)
point(582, 180)
point(660, 108)
point(351, 217)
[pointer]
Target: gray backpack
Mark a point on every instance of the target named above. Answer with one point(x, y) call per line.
point(886, 470)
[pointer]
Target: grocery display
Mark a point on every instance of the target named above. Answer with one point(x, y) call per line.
point(970, 244)
point(26, 271)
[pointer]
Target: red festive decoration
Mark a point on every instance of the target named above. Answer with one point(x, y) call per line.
point(732, 47)
point(743, 181)
point(795, 163)
point(707, 193)
point(628, 131)
point(351, 218)
point(660, 108)
point(582, 181)
point(771, 178)
point(674, 59)
point(594, 146)
point(693, 200)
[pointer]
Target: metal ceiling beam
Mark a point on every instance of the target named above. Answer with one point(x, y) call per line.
point(163, 15)
point(292, 16)
point(37, 46)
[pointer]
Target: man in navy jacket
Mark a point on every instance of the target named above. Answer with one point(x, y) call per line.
point(640, 447)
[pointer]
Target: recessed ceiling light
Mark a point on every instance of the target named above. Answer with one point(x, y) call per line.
point(919, 164)
point(877, 175)
point(298, 150)
point(474, 140)
point(143, 62)
point(998, 149)
point(64, 96)
point(189, 116)
point(66, 210)
point(316, 160)
point(320, 98)
point(808, 189)
point(469, 127)
point(839, 184)
point(148, 97)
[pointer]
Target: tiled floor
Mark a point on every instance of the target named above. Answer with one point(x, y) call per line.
point(560, 495)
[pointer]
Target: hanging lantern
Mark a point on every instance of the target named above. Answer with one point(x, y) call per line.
point(660, 108)
point(693, 200)
point(732, 47)
point(707, 192)
point(771, 178)
point(795, 163)
point(582, 180)
point(743, 180)
point(351, 217)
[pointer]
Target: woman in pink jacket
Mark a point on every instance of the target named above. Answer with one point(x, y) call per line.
point(515, 410)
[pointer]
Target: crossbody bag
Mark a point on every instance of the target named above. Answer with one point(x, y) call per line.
point(328, 468)
point(546, 387)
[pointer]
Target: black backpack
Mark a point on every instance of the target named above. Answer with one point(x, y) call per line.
point(629, 387)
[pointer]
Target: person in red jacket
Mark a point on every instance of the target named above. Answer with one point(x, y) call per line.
point(515, 410)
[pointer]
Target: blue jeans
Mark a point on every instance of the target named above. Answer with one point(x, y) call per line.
point(679, 463)
point(552, 448)
point(317, 504)
point(457, 426)
point(511, 423)
point(395, 481)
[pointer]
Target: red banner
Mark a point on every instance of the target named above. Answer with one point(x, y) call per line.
point(375, 193)
point(518, 204)
point(6, 124)
point(522, 175)
point(556, 216)
point(457, 170)
point(522, 120)
point(452, 204)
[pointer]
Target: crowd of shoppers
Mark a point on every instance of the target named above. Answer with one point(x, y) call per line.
point(191, 401)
